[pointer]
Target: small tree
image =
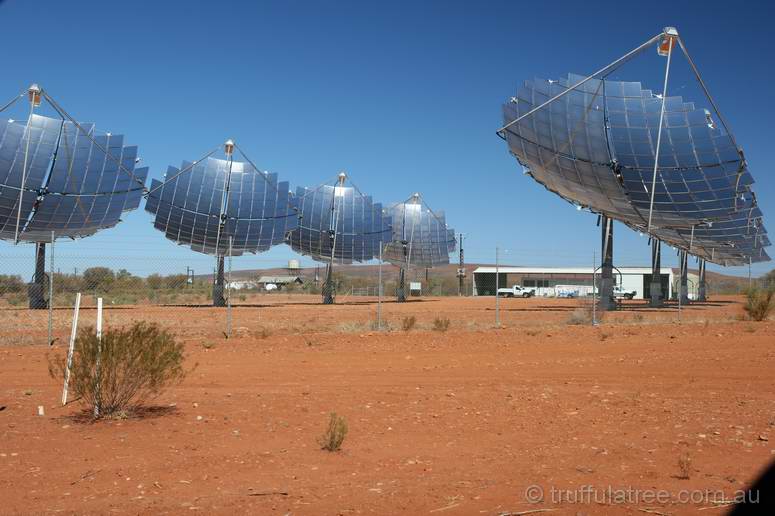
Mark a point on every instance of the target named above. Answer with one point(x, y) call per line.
point(154, 282)
point(769, 278)
point(126, 368)
point(11, 284)
point(98, 278)
point(175, 281)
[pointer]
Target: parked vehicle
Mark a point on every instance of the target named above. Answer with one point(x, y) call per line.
point(516, 291)
point(619, 292)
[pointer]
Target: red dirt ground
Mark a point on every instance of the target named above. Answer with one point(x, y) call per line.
point(455, 422)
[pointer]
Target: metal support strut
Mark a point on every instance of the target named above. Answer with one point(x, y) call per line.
point(670, 35)
point(684, 291)
point(219, 286)
point(655, 288)
point(36, 291)
point(607, 267)
point(328, 285)
point(401, 287)
point(329, 288)
point(701, 289)
point(461, 271)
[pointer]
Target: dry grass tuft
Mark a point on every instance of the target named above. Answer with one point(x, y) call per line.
point(580, 316)
point(350, 327)
point(334, 435)
point(685, 466)
point(441, 324)
point(407, 323)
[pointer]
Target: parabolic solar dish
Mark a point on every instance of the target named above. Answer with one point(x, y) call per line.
point(420, 237)
point(338, 222)
point(71, 187)
point(188, 207)
point(595, 147)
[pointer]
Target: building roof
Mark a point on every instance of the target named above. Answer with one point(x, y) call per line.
point(564, 270)
point(280, 279)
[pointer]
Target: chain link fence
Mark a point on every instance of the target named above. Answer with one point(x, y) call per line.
point(38, 290)
point(37, 293)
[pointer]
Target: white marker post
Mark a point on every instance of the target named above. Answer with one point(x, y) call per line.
point(72, 346)
point(99, 356)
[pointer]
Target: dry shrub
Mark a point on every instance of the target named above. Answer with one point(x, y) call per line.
point(384, 326)
point(350, 327)
point(407, 323)
point(580, 316)
point(334, 435)
point(685, 466)
point(135, 364)
point(759, 303)
point(441, 324)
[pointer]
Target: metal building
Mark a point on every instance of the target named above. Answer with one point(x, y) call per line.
point(560, 281)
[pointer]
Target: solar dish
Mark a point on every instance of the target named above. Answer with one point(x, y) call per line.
point(338, 224)
point(596, 147)
point(187, 208)
point(420, 236)
point(223, 208)
point(60, 178)
point(70, 186)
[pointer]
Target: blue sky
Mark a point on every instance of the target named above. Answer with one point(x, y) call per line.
point(404, 96)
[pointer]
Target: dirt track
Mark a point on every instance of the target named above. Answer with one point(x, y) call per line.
point(456, 422)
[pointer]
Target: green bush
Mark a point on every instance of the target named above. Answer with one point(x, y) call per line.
point(759, 303)
point(127, 368)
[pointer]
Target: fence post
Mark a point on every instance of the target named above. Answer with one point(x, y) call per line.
point(51, 293)
point(97, 400)
point(379, 292)
point(72, 346)
point(228, 292)
point(594, 295)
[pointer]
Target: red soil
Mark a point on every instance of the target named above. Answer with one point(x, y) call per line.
point(455, 422)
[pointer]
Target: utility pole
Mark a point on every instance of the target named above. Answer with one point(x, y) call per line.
point(461, 271)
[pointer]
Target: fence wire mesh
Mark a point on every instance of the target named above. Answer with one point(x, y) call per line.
point(37, 292)
point(36, 304)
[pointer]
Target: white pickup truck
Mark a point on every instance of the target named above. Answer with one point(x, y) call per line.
point(619, 292)
point(516, 291)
